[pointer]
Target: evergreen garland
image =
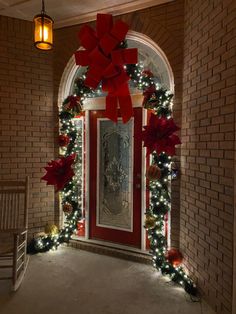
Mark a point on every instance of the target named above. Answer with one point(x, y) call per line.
point(158, 100)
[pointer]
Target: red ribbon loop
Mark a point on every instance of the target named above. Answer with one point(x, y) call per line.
point(88, 37)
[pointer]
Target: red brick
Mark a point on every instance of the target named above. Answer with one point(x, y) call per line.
point(215, 81)
point(18, 157)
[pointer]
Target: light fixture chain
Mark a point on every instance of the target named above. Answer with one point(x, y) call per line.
point(43, 7)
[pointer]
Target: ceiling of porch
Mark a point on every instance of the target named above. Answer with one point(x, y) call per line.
point(71, 12)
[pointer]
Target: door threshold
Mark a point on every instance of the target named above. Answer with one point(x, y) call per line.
point(110, 249)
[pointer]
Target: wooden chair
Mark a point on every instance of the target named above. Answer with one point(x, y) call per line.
point(14, 197)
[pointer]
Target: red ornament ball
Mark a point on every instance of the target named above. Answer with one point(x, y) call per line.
point(63, 140)
point(174, 257)
point(81, 228)
point(67, 208)
point(153, 172)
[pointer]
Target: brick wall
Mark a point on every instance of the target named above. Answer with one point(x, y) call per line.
point(164, 25)
point(29, 119)
point(208, 135)
point(26, 114)
point(29, 125)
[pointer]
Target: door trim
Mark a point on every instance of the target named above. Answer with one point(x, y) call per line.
point(87, 174)
point(100, 103)
point(143, 184)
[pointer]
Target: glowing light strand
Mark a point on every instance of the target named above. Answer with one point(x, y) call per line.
point(161, 104)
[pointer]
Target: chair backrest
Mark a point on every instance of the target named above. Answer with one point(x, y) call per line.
point(14, 198)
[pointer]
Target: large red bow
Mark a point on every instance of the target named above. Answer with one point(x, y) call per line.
point(106, 63)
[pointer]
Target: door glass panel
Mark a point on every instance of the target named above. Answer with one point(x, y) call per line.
point(115, 174)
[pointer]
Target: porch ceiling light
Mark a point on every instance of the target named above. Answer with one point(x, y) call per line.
point(43, 30)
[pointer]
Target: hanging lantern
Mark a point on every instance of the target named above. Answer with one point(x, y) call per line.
point(43, 30)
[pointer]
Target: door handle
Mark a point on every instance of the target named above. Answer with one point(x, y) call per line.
point(138, 186)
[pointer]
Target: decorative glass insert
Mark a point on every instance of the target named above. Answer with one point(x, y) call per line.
point(114, 175)
point(151, 61)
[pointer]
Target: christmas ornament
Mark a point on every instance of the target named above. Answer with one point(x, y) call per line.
point(174, 171)
point(150, 222)
point(147, 73)
point(153, 172)
point(158, 135)
point(106, 59)
point(149, 95)
point(156, 99)
point(51, 229)
point(60, 172)
point(67, 208)
point(73, 103)
point(81, 228)
point(39, 235)
point(174, 257)
point(63, 140)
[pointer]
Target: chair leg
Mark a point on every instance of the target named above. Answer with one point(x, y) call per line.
point(25, 251)
point(21, 276)
point(15, 256)
point(19, 271)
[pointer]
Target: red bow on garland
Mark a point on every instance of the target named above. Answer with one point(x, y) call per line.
point(158, 135)
point(106, 63)
point(59, 172)
point(148, 94)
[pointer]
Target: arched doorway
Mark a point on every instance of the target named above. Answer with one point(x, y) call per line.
point(151, 54)
point(114, 194)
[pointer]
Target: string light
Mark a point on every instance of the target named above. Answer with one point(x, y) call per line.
point(161, 103)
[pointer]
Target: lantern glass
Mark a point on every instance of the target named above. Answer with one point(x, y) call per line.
point(43, 32)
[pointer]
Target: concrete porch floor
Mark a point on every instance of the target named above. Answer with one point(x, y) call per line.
point(73, 281)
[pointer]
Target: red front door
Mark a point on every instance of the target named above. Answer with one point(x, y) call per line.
point(115, 179)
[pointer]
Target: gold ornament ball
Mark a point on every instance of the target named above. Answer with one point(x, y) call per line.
point(40, 235)
point(153, 172)
point(150, 222)
point(51, 229)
